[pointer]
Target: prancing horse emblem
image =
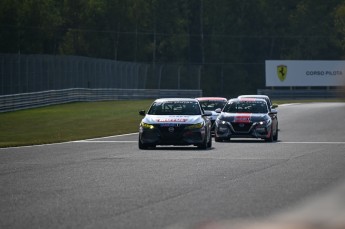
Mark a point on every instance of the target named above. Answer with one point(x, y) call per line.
point(282, 72)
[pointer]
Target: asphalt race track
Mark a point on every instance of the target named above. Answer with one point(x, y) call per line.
point(110, 183)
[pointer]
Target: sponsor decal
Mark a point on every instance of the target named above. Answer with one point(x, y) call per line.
point(282, 72)
point(171, 120)
point(242, 118)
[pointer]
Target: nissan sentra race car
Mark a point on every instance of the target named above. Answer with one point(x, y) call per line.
point(212, 104)
point(175, 121)
point(246, 118)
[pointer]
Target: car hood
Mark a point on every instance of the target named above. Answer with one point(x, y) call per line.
point(178, 119)
point(242, 117)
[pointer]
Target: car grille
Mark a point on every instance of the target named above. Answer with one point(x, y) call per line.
point(171, 133)
point(241, 127)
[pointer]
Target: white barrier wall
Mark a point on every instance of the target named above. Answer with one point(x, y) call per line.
point(287, 73)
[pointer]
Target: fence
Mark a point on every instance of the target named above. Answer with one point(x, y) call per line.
point(34, 73)
point(28, 81)
point(45, 98)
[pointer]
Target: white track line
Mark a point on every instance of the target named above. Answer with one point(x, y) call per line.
point(115, 141)
point(94, 141)
point(311, 142)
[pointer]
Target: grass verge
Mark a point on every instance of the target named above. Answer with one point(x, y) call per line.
point(68, 122)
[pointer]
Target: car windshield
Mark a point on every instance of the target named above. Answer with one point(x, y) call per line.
point(246, 107)
point(175, 108)
point(268, 101)
point(212, 105)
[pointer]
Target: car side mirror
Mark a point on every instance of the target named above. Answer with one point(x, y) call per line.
point(274, 112)
point(142, 112)
point(218, 110)
point(207, 113)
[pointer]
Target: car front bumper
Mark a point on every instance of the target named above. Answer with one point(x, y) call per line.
point(162, 136)
point(252, 130)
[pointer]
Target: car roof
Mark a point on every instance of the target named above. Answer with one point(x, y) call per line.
point(247, 99)
point(211, 99)
point(268, 100)
point(252, 96)
point(175, 99)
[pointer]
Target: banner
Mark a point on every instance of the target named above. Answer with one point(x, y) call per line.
point(287, 73)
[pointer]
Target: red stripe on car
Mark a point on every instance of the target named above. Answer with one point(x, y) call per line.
point(243, 118)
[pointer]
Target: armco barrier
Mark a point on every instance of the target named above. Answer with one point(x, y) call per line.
point(45, 98)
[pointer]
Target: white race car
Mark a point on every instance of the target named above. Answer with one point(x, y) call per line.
point(212, 104)
point(175, 121)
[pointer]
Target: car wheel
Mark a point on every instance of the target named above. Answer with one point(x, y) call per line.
point(270, 138)
point(142, 145)
point(209, 144)
point(204, 144)
point(275, 137)
point(218, 139)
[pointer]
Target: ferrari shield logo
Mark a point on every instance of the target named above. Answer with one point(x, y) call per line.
point(282, 72)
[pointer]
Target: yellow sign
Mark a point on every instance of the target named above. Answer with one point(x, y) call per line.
point(282, 72)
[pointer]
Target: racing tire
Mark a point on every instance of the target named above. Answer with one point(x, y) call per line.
point(142, 145)
point(204, 144)
point(270, 138)
point(218, 139)
point(275, 137)
point(209, 144)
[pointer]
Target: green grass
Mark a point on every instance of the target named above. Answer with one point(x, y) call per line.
point(69, 122)
point(77, 121)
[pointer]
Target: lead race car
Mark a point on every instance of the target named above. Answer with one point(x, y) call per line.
point(175, 121)
point(246, 118)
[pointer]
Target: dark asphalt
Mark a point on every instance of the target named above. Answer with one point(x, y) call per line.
point(110, 183)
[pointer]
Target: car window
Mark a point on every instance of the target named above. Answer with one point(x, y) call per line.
point(175, 108)
point(246, 107)
point(268, 101)
point(212, 105)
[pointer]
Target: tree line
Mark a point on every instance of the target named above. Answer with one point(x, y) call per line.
point(231, 39)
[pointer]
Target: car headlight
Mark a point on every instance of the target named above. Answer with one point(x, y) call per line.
point(221, 122)
point(146, 125)
point(195, 126)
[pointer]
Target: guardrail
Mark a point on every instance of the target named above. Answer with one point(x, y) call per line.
point(302, 93)
point(52, 97)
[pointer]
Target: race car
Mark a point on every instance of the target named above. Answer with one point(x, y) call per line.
point(246, 118)
point(175, 121)
point(212, 104)
point(265, 97)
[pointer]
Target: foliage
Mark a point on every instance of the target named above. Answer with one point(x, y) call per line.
point(210, 33)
